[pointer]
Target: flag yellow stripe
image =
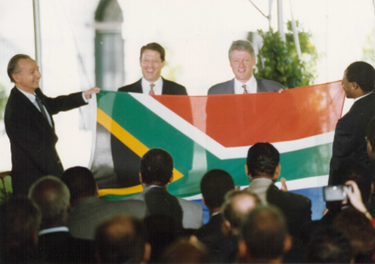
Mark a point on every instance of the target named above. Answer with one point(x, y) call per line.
point(132, 143)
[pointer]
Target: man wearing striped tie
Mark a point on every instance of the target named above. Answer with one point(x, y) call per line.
point(242, 60)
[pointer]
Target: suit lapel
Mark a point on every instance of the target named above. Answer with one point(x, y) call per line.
point(260, 86)
point(230, 87)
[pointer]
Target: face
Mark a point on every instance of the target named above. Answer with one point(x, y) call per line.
point(242, 65)
point(28, 75)
point(347, 86)
point(151, 65)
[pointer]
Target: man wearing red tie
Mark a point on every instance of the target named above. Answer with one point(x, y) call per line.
point(152, 61)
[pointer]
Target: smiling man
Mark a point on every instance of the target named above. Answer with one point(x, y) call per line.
point(242, 60)
point(29, 124)
point(152, 61)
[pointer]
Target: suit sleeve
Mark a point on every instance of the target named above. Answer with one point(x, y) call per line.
point(64, 102)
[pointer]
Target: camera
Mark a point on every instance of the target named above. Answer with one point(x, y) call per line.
point(335, 193)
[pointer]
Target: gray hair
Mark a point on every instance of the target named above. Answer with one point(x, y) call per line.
point(52, 196)
point(242, 45)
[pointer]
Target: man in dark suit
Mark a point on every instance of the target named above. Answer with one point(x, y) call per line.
point(349, 141)
point(152, 61)
point(214, 185)
point(156, 172)
point(29, 124)
point(242, 60)
point(263, 169)
point(56, 245)
point(88, 210)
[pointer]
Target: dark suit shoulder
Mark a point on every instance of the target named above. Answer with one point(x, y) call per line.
point(265, 85)
point(222, 88)
point(173, 88)
point(132, 88)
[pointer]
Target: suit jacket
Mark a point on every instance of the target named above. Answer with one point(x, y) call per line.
point(61, 247)
point(169, 87)
point(90, 212)
point(192, 213)
point(262, 86)
point(296, 207)
point(32, 139)
point(349, 140)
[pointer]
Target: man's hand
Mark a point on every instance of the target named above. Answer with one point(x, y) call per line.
point(91, 91)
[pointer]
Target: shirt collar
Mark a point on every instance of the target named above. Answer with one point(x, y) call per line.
point(53, 230)
point(30, 96)
point(356, 99)
point(157, 88)
point(251, 86)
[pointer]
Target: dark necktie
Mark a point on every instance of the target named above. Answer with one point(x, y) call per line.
point(41, 107)
point(244, 89)
point(152, 92)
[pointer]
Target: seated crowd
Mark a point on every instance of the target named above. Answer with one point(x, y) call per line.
point(64, 220)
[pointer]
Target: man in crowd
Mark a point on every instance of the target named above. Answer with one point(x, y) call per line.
point(122, 239)
point(20, 220)
point(358, 83)
point(56, 245)
point(156, 172)
point(263, 169)
point(242, 59)
point(88, 210)
point(29, 124)
point(214, 185)
point(152, 61)
point(264, 236)
point(237, 204)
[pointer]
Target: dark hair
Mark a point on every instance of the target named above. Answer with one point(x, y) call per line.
point(20, 220)
point(155, 47)
point(80, 182)
point(262, 159)
point(264, 231)
point(370, 132)
point(359, 230)
point(214, 185)
point(13, 64)
point(363, 74)
point(120, 239)
point(329, 245)
point(156, 167)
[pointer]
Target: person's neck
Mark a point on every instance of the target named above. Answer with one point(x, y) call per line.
point(275, 260)
point(213, 210)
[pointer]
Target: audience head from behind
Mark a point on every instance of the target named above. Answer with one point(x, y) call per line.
point(329, 245)
point(80, 182)
point(185, 251)
point(360, 232)
point(264, 236)
point(53, 198)
point(20, 220)
point(359, 79)
point(162, 230)
point(237, 204)
point(156, 168)
point(370, 138)
point(263, 161)
point(214, 185)
point(122, 239)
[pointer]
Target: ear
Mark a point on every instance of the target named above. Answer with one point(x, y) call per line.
point(35, 237)
point(203, 201)
point(147, 253)
point(140, 178)
point(96, 189)
point(369, 146)
point(226, 228)
point(15, 77)
point(247, 170)
point(171, 179)
point(277, 172)
point(288, 242)
point(242, 248)
point(162, 64)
